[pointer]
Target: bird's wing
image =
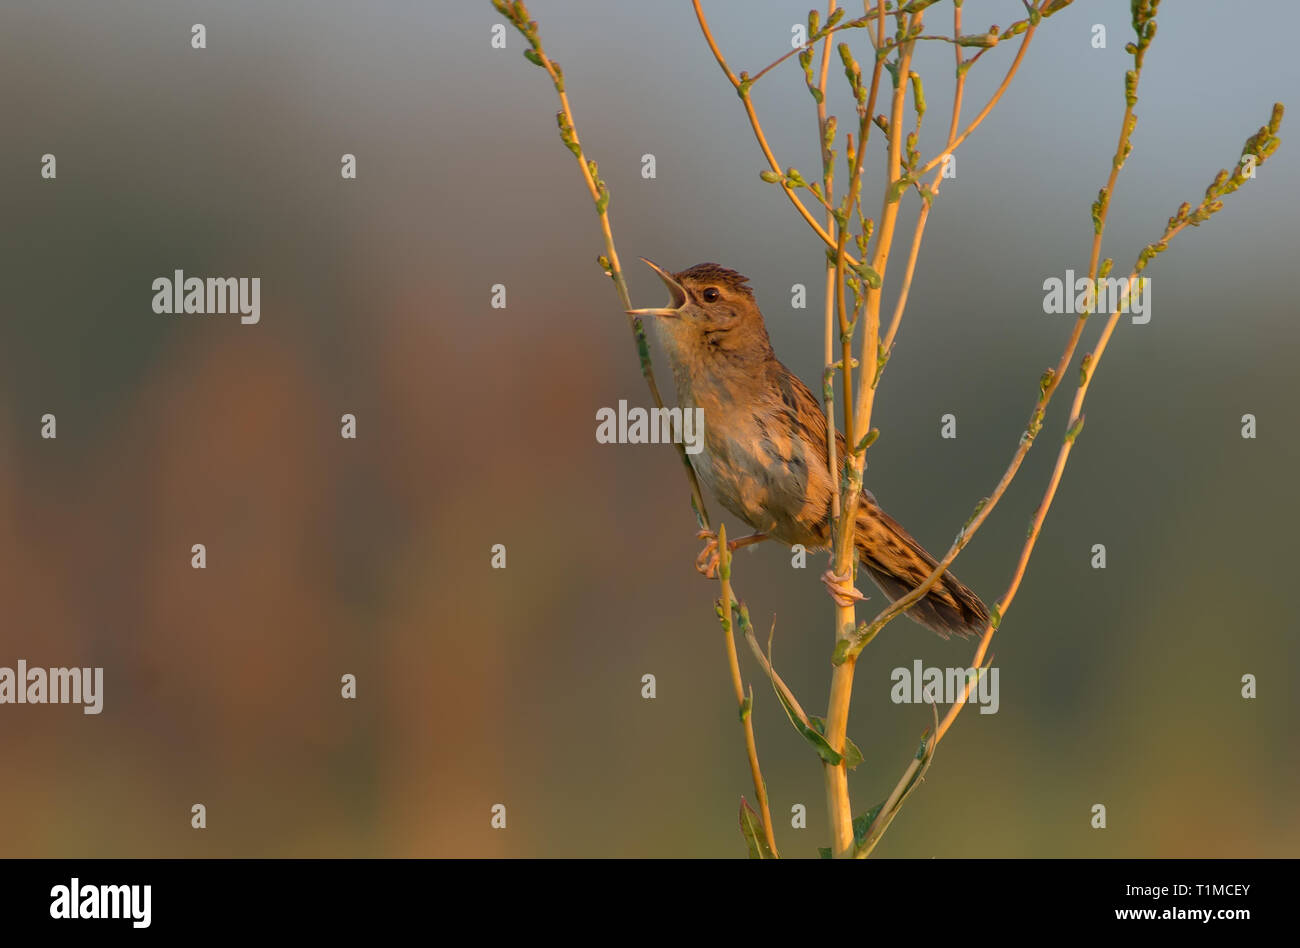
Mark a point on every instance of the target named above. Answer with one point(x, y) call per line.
point(804, 412)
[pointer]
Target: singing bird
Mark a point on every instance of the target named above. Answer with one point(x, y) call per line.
point(764, 455)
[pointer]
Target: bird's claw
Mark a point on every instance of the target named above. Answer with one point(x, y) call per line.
point(706, 564)
point(709, 558)
point(842, 589)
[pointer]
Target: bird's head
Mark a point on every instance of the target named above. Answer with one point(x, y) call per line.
point(709, 305)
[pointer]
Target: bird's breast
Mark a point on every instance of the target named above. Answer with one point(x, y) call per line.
point(759, 464)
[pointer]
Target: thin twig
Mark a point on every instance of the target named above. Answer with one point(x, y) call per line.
point(1261, 145)
point(824, 34)
point(984, 112)
point(517, 13)
point(745, 703)
point(741, 85)
point(1047, 388)
point(887, 344)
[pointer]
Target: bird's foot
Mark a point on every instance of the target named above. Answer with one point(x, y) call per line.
point(706, 564)
point(842, 589)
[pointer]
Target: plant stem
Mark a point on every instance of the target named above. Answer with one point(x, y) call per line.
point(757, 126)
point(745, 704)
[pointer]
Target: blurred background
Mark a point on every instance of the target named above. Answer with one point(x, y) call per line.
point(476, 426)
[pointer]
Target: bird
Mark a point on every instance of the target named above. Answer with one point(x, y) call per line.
point(764, 451)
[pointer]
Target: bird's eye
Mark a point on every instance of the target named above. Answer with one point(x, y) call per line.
point(711, 295)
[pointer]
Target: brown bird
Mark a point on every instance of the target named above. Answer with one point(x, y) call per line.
point(764, 454)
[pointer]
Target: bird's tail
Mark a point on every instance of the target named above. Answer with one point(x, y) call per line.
point(898, 564)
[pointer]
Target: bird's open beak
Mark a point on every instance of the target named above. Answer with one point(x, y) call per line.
point(675, 288)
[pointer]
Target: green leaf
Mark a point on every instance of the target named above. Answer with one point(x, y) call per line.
point(824, 852)
point(868, 439)
point(532, 57)
point(852, 755)
point(869, 275)
point(812, 736)
point(751, 827)
point(898, 187)
point(861, 824)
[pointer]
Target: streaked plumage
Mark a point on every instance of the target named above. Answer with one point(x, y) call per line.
point(764, 454)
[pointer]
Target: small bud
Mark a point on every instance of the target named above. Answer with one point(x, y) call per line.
point(918, 93)
point(1074, 429)
point(828, 135)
